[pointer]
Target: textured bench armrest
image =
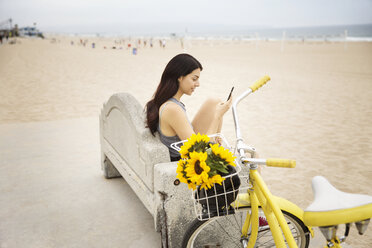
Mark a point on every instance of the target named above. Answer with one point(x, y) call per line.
point(173, 203)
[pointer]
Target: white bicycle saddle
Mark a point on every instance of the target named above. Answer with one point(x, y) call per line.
point(328, 198)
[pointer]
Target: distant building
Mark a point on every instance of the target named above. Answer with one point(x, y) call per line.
point(30, 31)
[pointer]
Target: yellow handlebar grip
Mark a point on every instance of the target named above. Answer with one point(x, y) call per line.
point(259, 83)
point(278, 162)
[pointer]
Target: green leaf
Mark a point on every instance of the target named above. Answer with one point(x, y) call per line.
point(212, 173)
point(209, 152)
point(223, 170)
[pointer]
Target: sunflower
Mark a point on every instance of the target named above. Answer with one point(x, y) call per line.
point(200, 138)
point(217, 179)
point(185, 149)
point(181, 174)
point(202, 164)
point(196, 142)
point(197, 169)
point(191, 185)
point(211, 181)
point(223, 153)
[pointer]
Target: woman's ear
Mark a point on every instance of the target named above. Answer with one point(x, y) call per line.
point(180, 79)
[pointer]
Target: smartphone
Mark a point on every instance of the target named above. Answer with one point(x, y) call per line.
point(232, 89)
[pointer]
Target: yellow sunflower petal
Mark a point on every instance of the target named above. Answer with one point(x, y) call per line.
point(193, 140)
point(217, 179)
point(197, 169)
point(223, 153)
point(203, 137)
point(192, 186)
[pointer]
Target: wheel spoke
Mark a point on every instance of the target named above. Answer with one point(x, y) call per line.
point(237, 224)
point(236, 227)
point(226, 232)
point(271, 244)
point(231, 238)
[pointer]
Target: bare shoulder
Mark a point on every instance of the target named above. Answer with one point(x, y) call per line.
point(174, 121)
point(171, 109)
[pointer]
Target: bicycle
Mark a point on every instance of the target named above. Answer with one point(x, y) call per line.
point(236, 223)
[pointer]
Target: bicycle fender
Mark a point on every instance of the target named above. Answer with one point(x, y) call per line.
point(292, 208)
point(285, 205)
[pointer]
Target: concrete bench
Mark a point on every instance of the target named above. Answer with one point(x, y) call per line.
point(129, 150)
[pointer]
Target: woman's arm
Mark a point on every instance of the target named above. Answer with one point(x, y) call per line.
point(216, 123)
point(175, 122)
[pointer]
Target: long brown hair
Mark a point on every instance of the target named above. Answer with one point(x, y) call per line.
point(179, 66)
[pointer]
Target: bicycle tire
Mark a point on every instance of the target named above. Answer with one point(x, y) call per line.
point(208, 233)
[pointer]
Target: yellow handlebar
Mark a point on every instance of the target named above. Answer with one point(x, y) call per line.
point(259, 83)
point(278, 162)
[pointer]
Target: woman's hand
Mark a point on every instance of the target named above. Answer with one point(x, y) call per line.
point(223, 107)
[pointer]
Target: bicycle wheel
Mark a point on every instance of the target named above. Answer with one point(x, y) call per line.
point(225, 231)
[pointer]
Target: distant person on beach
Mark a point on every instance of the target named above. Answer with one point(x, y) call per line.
point(166, 114)
point(163, 43)
point(182, 45)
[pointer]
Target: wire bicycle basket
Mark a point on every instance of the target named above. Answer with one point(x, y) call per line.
point(216, 201)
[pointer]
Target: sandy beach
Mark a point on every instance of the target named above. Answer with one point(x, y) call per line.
point(317, 108)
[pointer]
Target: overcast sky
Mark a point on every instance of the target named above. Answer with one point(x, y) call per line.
point(108, 15)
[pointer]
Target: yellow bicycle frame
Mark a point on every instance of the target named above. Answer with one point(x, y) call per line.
point(259, 195)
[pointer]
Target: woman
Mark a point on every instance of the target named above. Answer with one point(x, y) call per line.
point(166, 113)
